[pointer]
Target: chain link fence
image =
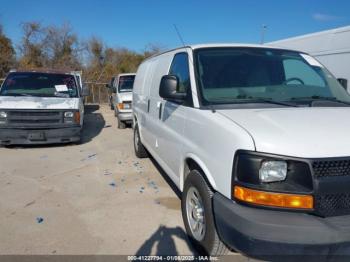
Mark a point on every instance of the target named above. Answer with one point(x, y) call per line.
point(99, 93)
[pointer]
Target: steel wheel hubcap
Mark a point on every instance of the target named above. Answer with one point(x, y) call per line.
point(195, 213)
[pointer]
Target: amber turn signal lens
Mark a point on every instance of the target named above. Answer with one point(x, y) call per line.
point(77, 117)
point(273, 199)
point(121, 106)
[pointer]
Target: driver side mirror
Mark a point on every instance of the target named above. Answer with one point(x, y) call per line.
point(343, 82)
point(168, 88)
point(85, 91)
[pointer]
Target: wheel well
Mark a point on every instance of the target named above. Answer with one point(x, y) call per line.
point(135, 121)
point(190, 165)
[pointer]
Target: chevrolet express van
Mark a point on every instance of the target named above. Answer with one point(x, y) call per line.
point(122, 98)
point(257, 140)
point(41, 107)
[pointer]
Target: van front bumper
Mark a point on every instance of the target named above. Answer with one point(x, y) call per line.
point(16, 136)
point(125, 116)
point(269, 234)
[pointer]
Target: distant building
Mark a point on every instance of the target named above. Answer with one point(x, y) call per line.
point(331, 48)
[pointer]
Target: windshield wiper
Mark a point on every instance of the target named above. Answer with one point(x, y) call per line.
point(267, 101)
point(270, 101)
point(244, 99)
point(320, 98)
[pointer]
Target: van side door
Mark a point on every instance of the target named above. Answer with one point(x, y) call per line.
point(171, 119)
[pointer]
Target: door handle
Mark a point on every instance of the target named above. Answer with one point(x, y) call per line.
point(160, 106)
point(148, 105)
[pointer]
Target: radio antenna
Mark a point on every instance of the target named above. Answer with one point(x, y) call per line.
point(179, 35)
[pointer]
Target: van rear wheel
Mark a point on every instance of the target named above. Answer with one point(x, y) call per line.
point(197, 213)
point(140, 150)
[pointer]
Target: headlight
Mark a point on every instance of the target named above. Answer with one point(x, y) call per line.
point(68, 114)
point(3, 114)
point(124, 106)
point(270, 173)
point(127, 106)
point(273, 171)
point(72, 117)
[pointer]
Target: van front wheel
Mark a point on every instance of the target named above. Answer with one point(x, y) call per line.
point(140, 150)
point(121, 124)
point(197, 213)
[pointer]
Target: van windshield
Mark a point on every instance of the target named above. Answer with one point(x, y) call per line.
point(39, 84)
point(250, 75)
point(126, 83)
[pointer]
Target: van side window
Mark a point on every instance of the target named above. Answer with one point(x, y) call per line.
point(180, 68)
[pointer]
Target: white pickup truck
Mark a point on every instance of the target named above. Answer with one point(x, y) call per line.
point(257, 140)
point(40, 107)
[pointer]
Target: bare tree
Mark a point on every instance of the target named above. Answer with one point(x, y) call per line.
point(62, 47)
point(7, 54)
point(31, 46)
point(153, 49)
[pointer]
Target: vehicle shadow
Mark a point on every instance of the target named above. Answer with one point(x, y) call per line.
point(166, 177)
point(91, 108)
point(162, 242)
point(93, 123)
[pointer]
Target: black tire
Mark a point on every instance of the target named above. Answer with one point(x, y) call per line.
point(121, 124)
point(111, 103)
point(140, 150)
point(210, 244)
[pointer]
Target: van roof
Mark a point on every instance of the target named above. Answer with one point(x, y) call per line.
point(44, 70)
point(213, 45)
point(127, 74)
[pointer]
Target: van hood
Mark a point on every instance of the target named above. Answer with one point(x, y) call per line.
point(20, 102)
point(300, 132)
point(127, 96)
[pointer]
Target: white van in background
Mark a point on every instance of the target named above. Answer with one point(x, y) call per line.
point(256, 138)
point(122, 98)
point(41, 107)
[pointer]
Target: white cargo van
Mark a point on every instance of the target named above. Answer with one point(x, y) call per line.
point(40, 107)
point(122, 98)
point(257, 140)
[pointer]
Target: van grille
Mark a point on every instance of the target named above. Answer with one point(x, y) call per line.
point(332, 172)
point(332, 204)
point(34, 118)
point(128, 102)
point(34, 113)
point(331, 168)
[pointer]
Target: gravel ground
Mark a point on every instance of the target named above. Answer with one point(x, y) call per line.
point(88, 199)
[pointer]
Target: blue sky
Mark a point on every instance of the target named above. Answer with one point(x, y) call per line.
point(134, 24)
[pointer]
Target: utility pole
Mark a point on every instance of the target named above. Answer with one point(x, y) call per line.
point(263, 31)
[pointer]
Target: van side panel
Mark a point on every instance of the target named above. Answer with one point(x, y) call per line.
point(141, 98)
point(211, 136)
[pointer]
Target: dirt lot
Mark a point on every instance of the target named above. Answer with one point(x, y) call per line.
point(92, 198)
